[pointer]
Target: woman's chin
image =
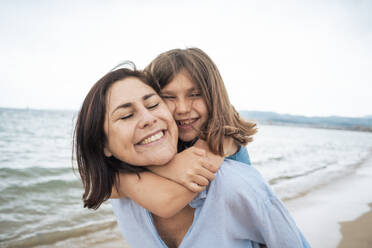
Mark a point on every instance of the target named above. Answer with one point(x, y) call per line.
point(163, 155)
point(156, 157)
point(161, 160)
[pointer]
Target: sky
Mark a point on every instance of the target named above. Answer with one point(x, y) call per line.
point(311, 58)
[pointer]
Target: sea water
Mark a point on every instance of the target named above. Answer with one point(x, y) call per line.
point(40, 195)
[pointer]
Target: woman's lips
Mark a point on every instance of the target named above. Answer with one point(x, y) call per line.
point(152, 138)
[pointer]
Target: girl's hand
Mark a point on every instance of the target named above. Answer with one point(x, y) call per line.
point(214, 159)
point(193, 168)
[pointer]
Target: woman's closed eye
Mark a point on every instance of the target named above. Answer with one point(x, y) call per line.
point(168, 97)
point(152, 106)
point(127, 116)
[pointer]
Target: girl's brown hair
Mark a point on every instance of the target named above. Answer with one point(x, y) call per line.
point(223, 119)
point(98, 172)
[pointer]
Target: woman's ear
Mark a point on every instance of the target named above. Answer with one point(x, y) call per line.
point(107, 151)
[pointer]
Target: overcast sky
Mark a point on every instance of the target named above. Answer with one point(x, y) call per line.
point(311, 58)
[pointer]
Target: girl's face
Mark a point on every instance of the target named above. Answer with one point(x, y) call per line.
point(138, 125)
point(185, 102)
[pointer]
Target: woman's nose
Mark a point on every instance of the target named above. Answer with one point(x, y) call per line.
point(147, 119)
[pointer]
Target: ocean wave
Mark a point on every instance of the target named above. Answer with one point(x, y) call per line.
point(31, 172)
point(48, 185)
point(276, 158)
point(276, 180)
point(52, 236)
point(294, 187)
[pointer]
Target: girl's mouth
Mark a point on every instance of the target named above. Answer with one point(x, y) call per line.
point(186, 123)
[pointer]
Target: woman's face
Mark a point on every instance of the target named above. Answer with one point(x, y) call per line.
point(185, 102)
point(139, 127)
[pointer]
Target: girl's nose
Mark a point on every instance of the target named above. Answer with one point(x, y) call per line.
point(183, 106)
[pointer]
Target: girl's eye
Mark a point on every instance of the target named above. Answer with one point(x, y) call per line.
point(126, 117)
point(153, 106)
point(196, 94)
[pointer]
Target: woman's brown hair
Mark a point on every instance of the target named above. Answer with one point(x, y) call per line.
point(223, 119)
point(98, 172)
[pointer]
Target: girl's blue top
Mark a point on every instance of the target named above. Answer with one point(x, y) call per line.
point(241, 155)
point(238, 209)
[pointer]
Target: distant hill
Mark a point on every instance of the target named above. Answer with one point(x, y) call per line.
point(338, 122)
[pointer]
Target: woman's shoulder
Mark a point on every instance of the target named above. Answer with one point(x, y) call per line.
point(236, 179)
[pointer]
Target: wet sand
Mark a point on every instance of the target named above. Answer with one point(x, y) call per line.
point(337, 214)
point(357, 233)
point(106, 238)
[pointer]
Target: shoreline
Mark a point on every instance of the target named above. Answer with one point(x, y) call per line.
point(323, 214)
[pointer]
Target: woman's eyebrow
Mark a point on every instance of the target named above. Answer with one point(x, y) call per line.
point(145, 97)
point(129, 104)
point(124, 105)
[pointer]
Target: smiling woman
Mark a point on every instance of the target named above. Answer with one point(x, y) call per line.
point(122, 125)
point(138, 126)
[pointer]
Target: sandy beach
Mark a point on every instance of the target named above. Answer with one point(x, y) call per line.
point(338, 214)
point(357, 233)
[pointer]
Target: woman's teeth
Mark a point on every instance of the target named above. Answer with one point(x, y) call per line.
point(152, 138)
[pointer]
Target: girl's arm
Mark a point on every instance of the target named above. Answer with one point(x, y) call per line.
point(164, 197)
point(160, 196)
point(189, 170)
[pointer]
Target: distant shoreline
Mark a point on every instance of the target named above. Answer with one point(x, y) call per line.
point(361, 124)
point(357, 129)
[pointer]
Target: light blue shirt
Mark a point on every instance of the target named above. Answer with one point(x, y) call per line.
point(237, 210)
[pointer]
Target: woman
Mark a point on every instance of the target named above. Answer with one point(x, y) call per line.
point(124, 125)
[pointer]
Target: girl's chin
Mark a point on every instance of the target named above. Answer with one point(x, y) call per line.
point(187, 137)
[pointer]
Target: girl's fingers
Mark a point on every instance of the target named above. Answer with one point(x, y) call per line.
point(209, 166)
point(207, 174)
point(198, 151)
point(195, 187)
point(200, 180)
point(214, 159)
